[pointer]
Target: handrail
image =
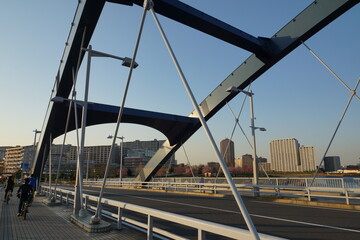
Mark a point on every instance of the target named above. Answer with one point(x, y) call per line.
point(201, 225)
point(215, 188)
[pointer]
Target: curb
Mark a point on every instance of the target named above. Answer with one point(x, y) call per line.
point(312, 203)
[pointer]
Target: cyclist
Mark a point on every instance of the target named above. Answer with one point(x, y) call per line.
point(33, 185)
point(9, 187)
point(24, 193)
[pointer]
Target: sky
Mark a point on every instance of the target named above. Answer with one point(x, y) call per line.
point(296, 98)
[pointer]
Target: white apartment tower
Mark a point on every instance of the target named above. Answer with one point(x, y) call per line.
point(288, 156)
point(307, 158)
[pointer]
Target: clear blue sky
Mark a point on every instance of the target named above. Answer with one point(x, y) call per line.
point(297, 98)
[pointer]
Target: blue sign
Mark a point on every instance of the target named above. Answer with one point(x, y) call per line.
point(24, 165)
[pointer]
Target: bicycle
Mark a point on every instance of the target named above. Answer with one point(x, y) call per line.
point(8, 197)
point(24, 209)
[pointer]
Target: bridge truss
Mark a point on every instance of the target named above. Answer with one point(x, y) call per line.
point(178, 129)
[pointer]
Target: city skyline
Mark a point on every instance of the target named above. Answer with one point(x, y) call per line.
point(223, 145)
point(297, 98)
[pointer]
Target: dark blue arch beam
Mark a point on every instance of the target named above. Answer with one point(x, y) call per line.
point(83, 26)
point(172, 126)
point(187, 15)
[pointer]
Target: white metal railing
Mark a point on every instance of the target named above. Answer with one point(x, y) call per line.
point(201, 226)
point(334, 188)
point(328, 182)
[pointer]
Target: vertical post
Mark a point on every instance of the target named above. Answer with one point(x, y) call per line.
point(87, 165)
point(78, 205)
point(121, 158)
point(150, 228)
point(201, 235)
point(49, 168)
point(41, 171)
point(309, 195)
point(347, 197)
point(255, 165)
point(120, 213)
point(51, 197)
point(86, 202)
point(36, 132)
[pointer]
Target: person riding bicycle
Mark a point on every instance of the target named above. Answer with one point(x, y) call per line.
point(24, 193)
point(9, 187)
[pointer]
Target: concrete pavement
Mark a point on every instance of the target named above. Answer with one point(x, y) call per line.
point(49, 223)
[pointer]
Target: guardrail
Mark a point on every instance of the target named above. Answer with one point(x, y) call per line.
point(326, 182)
point(202, 227)
point(296, 189)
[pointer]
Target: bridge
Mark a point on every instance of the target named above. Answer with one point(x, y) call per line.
point(64, 109)
point(212, 213)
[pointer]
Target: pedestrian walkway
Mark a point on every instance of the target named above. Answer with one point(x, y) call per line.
point(50, 223)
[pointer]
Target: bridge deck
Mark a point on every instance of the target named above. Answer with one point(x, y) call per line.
point(51, 223)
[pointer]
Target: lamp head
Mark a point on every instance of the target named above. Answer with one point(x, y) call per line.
point(127, 62)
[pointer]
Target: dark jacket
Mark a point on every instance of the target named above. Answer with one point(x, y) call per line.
point(10, 184)
point(25, 189)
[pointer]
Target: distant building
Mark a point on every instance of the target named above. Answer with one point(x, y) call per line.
point(245, 161)
point(1, 166)
point(138, 153)
point(261, 160)
point(150, 146)
point(332, 163)
point(55, 161)
point(2, 152)
point(15, 157)
point(288, 156)
point(265, 166)
point(307, 159)
point(135, 154)
point(214, 165)
point(228, 152)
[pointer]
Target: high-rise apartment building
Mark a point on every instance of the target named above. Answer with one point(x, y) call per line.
point(14, 157)
point(288, 156)
point(228, 152)
point(307, 159)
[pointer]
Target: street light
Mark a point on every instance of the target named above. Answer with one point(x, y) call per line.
point(25, 165)
point(253, 128)
point(121, 155)
point(128, 62)
point(36, 132)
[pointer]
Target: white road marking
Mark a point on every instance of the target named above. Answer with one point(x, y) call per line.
point(306, 206)
point(305, 223)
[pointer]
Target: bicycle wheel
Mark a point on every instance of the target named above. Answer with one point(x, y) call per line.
point(25, 211)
